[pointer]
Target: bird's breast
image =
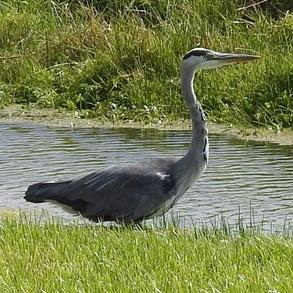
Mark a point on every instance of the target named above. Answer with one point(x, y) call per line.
point(166, 205)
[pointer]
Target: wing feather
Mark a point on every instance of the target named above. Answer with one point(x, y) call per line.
point(129, 192)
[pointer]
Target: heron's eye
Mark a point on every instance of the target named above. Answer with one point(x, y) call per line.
point(208, 56)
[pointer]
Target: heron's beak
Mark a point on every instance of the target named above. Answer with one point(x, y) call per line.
point(234, 58)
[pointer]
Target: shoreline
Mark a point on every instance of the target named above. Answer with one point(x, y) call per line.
point(15, 114)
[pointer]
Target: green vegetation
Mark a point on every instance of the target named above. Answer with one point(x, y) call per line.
point(119, 60)
point(52, 257)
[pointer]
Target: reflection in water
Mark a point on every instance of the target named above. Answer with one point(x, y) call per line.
point(253, 178)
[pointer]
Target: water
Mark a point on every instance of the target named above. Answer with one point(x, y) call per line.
point(243, 180)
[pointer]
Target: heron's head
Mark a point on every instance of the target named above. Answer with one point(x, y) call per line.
point(201, 58)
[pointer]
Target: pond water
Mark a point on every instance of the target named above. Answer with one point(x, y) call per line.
point(250, 181)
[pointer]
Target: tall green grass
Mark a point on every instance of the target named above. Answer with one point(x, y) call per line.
point(53, 257)
point(120, 59)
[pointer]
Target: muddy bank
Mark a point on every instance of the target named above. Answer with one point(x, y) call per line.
point(60, 118)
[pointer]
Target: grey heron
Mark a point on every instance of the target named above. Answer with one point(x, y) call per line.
point(137, 191)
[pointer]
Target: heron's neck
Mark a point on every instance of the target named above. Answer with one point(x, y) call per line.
point(187, 76)
point(199, 126)
point(195, 159)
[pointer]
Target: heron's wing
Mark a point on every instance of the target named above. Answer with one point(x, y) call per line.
point(130, 192)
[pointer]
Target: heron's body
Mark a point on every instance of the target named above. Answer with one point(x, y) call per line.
point(108, 193)
point(133, 192)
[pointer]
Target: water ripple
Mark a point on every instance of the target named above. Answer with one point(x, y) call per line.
point(240, 176)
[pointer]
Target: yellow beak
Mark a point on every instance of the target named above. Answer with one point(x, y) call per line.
point(234, 58)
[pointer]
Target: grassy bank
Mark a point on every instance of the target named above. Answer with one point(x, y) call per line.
point(58, 258)
point(119, 60)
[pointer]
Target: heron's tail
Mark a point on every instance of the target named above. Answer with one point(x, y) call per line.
point(41, 192)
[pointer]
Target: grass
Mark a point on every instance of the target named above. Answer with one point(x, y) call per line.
point(119, 60)
point(53, 257)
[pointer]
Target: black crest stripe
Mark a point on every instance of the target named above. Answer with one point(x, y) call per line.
point(194, 53)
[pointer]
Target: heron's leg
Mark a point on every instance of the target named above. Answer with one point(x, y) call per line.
point(131, 224)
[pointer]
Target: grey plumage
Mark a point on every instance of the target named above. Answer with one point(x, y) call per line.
point(108, 193)
point(133, 192)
